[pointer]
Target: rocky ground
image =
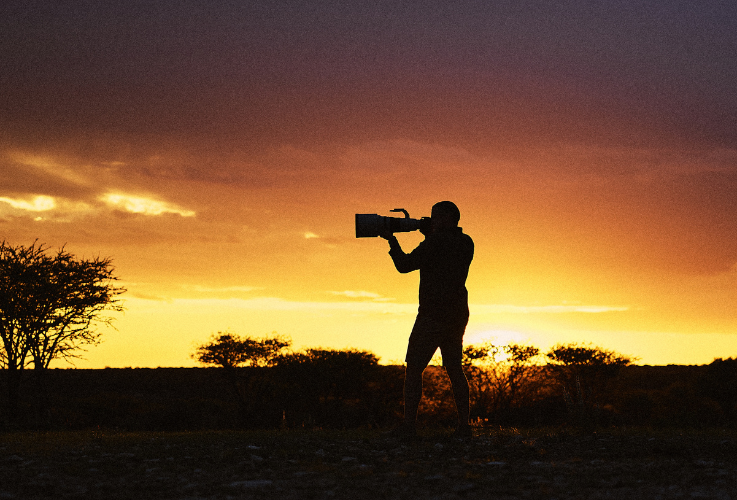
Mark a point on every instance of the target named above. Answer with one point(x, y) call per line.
point(501, 463)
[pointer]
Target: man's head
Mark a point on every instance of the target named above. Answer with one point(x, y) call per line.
point(445, 215)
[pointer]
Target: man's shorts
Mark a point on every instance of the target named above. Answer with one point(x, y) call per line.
point(428, 335)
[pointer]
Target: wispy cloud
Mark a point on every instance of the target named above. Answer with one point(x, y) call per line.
point(52, 168)
point(279, 304)
point(359, 294)
point(379, 306)
point(142, 205)
point(35, 204)
point(42, 207)
point(546, 309)
point(225, 289)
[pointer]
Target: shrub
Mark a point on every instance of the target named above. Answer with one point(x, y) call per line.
point(583, 374)
point(719, 383)
point(502, 380)
point(326, 387)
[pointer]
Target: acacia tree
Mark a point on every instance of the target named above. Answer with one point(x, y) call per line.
point(49, 307)
point(18, 268)
point(583, 373)
point(229, 350)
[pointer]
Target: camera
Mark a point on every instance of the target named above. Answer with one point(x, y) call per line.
point(372, 225)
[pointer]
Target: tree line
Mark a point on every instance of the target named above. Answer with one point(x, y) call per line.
point(516, 386)
point(572, 384)
point(51, 304)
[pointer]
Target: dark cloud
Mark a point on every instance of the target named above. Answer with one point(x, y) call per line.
point(18, 178)
point(469, 72)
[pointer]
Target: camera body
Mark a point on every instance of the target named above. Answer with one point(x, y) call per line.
point(373, 225)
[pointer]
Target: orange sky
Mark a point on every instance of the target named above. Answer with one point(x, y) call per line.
point(219, 155)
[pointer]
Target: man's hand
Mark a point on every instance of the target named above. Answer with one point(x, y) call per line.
point(426, 226)
point(387, 235)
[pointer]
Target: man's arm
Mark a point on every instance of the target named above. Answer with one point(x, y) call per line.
point(404, 262)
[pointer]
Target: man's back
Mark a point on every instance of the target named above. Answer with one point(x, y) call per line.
point(443, 259)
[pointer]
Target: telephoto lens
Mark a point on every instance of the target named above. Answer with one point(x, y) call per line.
point(373, 225)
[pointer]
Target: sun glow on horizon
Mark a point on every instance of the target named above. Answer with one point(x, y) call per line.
point(380, 328)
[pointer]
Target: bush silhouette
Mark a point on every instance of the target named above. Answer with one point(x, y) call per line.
point(583, 374)
point(228, 350)
point(243, 360)
point(719, 383)
point(503, 380)
point(327, 387)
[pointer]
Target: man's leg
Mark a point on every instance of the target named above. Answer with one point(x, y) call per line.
point(460, 393)
point(420, 349)
point(412, 393)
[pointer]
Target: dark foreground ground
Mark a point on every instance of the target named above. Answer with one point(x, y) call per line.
point(502, 463)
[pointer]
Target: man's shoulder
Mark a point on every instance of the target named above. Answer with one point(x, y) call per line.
point(456, 232)
point(468, 243)
point(453, 238)
point(466, 238)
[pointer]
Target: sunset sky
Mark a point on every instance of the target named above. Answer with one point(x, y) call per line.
point(217, 151)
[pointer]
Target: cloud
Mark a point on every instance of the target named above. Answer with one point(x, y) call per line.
point(359, 294)
point(42, 207)
point(279, 304)
point(549, 309)
point(36, 204)
point(69, 185)
point(145, 206)
point(52, 168)
point(226, 289)
point(24, 177)
point(379, 306)
point(309, 235)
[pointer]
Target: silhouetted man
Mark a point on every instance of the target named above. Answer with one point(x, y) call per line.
point(443, 259)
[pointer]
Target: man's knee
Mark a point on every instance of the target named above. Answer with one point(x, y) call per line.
point(413, 370)
point(455, 371)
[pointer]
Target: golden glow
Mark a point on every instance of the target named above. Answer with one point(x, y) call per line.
point(145, 206)
point(560, 256)
point(224, 187)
